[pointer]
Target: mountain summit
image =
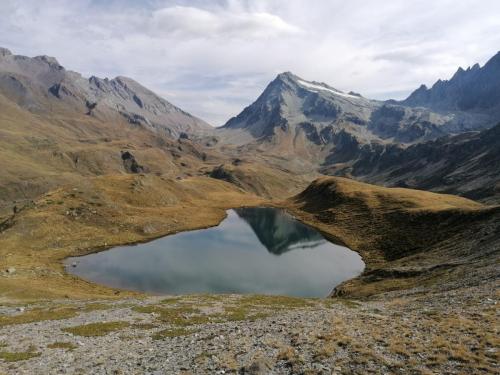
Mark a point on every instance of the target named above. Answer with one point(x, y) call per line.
point(293, 114)
point(475, 89)
point(290, 103)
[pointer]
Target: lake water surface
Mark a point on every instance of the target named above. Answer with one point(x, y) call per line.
point(254, 250)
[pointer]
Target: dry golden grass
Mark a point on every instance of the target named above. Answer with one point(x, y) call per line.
point(387, 199)
point(96, 329)
point(38, 315)
point(406, 237)
point(290, 355)
point(18, 356)
point(111, 210)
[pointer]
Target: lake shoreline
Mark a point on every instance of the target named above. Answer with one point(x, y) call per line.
point(280, 244)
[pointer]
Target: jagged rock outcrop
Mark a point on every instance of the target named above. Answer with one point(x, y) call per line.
point(472, 94)
point(130, 163)
point(475, 89)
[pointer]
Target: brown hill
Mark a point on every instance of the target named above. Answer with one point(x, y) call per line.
point(39, 152)
point(406, 237)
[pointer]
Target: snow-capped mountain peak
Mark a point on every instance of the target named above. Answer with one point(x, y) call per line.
point(318, 87)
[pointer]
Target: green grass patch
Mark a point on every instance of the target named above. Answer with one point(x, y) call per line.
point(96, 329)
point(171, 300)
point(209, 298)
point(172, 332)
point(144, 325)
point(186, 316)
point(62, 345)
point(250, 308)
point(179, 316)
point(241, 312)
point(18, 356)
point(38, 315)
point(96, 307)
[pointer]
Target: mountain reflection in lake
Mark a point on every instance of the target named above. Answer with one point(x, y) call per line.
point(254, 250)
point(277, 231)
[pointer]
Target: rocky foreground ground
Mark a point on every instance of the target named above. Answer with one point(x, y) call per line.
point(426, 303)
point(412, 333)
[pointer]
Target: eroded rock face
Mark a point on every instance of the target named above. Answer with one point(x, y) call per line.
point(130, 164)
point(222, 173)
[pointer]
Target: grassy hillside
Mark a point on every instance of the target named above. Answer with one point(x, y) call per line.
point(408, 238)
point(40, 152)
point(100, 213)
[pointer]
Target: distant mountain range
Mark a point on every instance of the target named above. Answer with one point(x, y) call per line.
point(476, 89)
point(293, 107)
point(429, 140)
point(41, 84)
point(59, 128)
point(442, 138)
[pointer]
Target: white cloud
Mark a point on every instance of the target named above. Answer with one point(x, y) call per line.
point(214, 58)
point(196, 22)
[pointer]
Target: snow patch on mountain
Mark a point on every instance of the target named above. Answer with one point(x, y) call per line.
point(316, 88)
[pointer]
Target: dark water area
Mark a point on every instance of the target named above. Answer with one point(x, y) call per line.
point(254, 250)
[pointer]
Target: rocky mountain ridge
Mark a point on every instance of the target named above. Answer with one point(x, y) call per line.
point(292, 105)
point(475, 89)
point(41, 84)
point(438, 139)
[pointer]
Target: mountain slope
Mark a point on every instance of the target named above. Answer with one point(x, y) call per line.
point(313, 123)
point(42, 151)
point(465, 164)
point(407, 238)
point(58, 128)
point(40, 84)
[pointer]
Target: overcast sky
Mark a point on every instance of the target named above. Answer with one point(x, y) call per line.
point(212, 58)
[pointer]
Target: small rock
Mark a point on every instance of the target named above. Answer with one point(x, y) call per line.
point(259, 367)
point(11, 270)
